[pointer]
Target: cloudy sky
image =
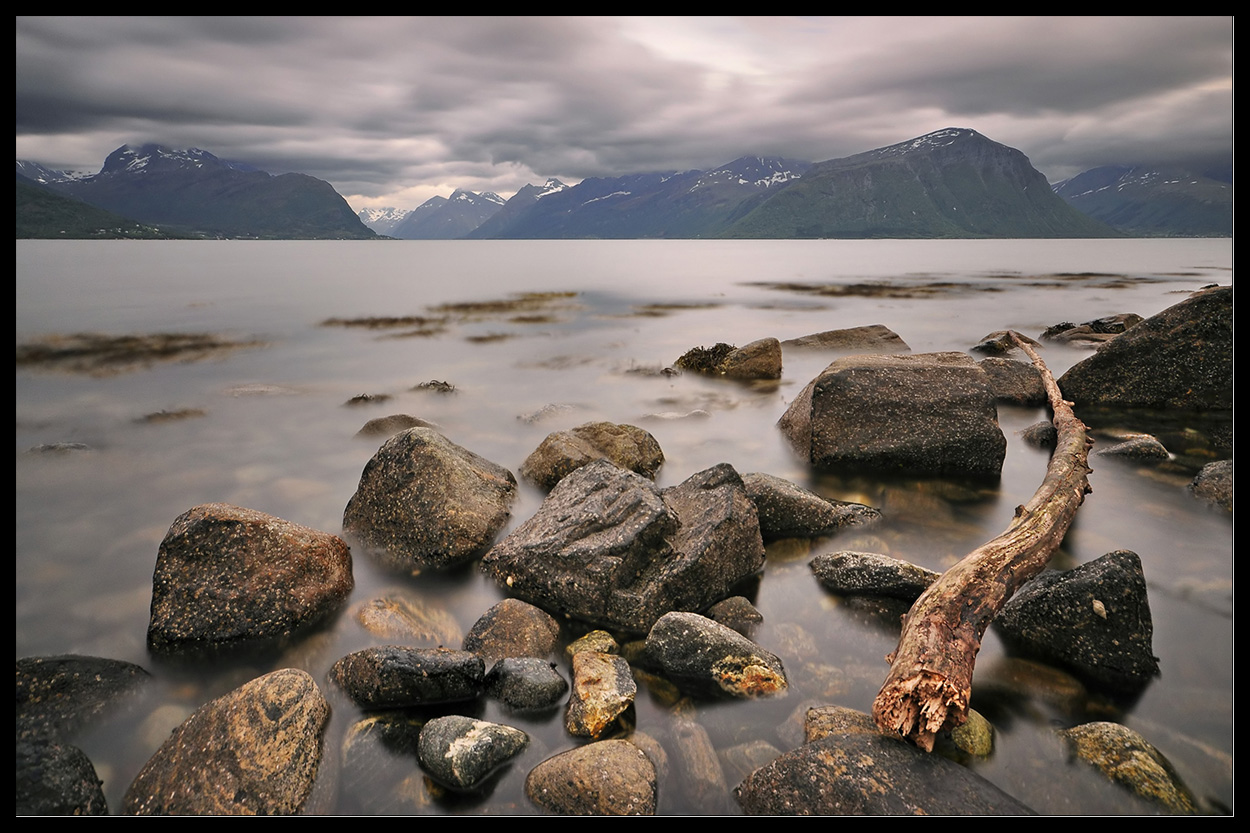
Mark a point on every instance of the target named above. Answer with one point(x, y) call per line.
point(392, 111)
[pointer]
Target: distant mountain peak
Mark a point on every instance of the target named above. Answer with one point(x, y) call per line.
point(930, 141)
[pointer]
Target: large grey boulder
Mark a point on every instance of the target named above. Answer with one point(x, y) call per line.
point(1181, 358)
point(563, 451)
point(928, 412)
point(254, 751)
point(227, 575)
point(425, 502)
point(1093, 620)
point(609, 547)
point(704, 657)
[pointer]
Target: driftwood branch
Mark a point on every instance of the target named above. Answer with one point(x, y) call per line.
point(930, 679)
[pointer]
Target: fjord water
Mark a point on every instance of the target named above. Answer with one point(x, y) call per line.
point(272, 432)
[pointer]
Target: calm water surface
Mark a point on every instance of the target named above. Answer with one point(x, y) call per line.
point(275, 435)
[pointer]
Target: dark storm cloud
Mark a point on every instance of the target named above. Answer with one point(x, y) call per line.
point(397, 109)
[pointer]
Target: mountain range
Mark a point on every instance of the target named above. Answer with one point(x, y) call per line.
point(1172, 200)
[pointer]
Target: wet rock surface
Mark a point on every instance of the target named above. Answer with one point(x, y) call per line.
point(603, 689)
point(1214, 484)
point(1015, 382)
point(395, 676)
point(861, 773)
point(526, 684)
point(425, 502)
point(1142, 449)
point(255, 751)
point(609, 547)
point(627, 446)
point(760, 359)
point(1093, 620)
point(55, 779)
point(59, 695)
point(462, 752)
point(1127, 758)
point(787, 510)
point(226, 575)
point(929, 412)
point(608, 778)
point(867, 573)
point(1181, 358)
point(388, 426)
point(872, 338)
point(512, 628)
point(703, 657)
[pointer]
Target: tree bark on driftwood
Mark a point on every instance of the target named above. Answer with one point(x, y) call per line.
point(930, 679)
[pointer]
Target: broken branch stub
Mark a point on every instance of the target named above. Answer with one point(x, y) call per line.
point(930, 679)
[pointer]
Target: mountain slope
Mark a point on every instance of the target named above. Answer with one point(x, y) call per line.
point(448, 218)
point(950, 183)
point(1153, 201)
point(44, 214)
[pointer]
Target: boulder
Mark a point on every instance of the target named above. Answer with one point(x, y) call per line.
point(1127, 758)
point(867, 573)
point(59, 695)
point(930, 412)
point(760, 359)
point(563, 451)
point(1093, 620)
point(1180, 359)
point(1014, 382)
point(55, 779)
point(873, 338)
point(525, 684)
point(461, 752)
point(394, 676)
point(602, 690)
point(787, 510)
point(512, 628)
point(1214, 484)
point(227, 575)
point(254, 751)
point(703, 657)
point(425, 502)
point(1144, 448)
point(608, 778)
point(607, 546)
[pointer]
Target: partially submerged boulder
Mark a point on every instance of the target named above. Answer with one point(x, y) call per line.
point(512, 628)
point(787, 510)
point(254, 751)
point(608, 778)
point(1127, 758)
point(760, 359)
point(1181, 358)
point(395, 676)
point(873, 338)
point(563, 451)
point(609, 547)
point(867, 573)
point(462, 752)
point(1015, 382)
point(1214, 484)
point(704, 657)
point(928, 412)
point(425, 502)
point(227, 575)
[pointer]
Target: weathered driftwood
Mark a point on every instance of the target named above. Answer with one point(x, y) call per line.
point(930, 678)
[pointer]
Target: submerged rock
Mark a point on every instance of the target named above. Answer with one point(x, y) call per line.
point(704, 657)
point(388, 426)
point(1093, 620)
point(255, 751)
point(425, 502)
point(610, 548)
point(787, 510)
point(59, 695)
point(929, 412)
point(563, 451)
point(1181, 358)
point(1143, 448)
point(228, 575)
point(462, 752)
point(1129, 759)
point(608, 778)
point(396, 616)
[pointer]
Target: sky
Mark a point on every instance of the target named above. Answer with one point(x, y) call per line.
point(393, 111)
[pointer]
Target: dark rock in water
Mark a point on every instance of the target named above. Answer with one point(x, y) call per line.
point(699, 769)
point(1015, 382)
point(1214, 484)
point(930, 412)
point(396, 616)
point(1000, 343)
point(1181, 358)
point(255, 751)
point(368, 399)
point(425, 502)
point(380, 770)
point(1137, 448)
point(1129, 759)
point(390, 425)
point(227, 575)
point(526, 684)
point(56, 779)
point(1040, 434)
point(609, 547)
point(787, 510)
point(512, 628)
point(1093, 620)
point(736, 613)
point(57, 696)
point(703, 657)
point(462, 752)
point(563, 451)
point(760, 359)
point(394, 676)
point(867, 573)
point(60, 449)
point(870, 774)
point(603, 689)
point(873, 338)
point(436, 386)
point(608, 778)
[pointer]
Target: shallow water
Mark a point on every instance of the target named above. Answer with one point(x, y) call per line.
point(275, 435)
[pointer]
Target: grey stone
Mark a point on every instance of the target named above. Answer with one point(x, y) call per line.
point(867, 573)
point(1214, 484)
point(561, 452)
point(59, 695)
point(425, 502)
point(395, 676)
point(703, 657)
point(787, 510)
point(1137, 448)
point(1015, 382)
point(1040, 434)
point(226, 575)
point(55, 779)
point(254, 751)
point(388, 426)
point(526, 684)
point(699, 769)
point(608, 778)
point(461, 752)
point(930, 413)
point(873, 338)
point(760, 359)
point(736, 613)
point(1093, 620)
